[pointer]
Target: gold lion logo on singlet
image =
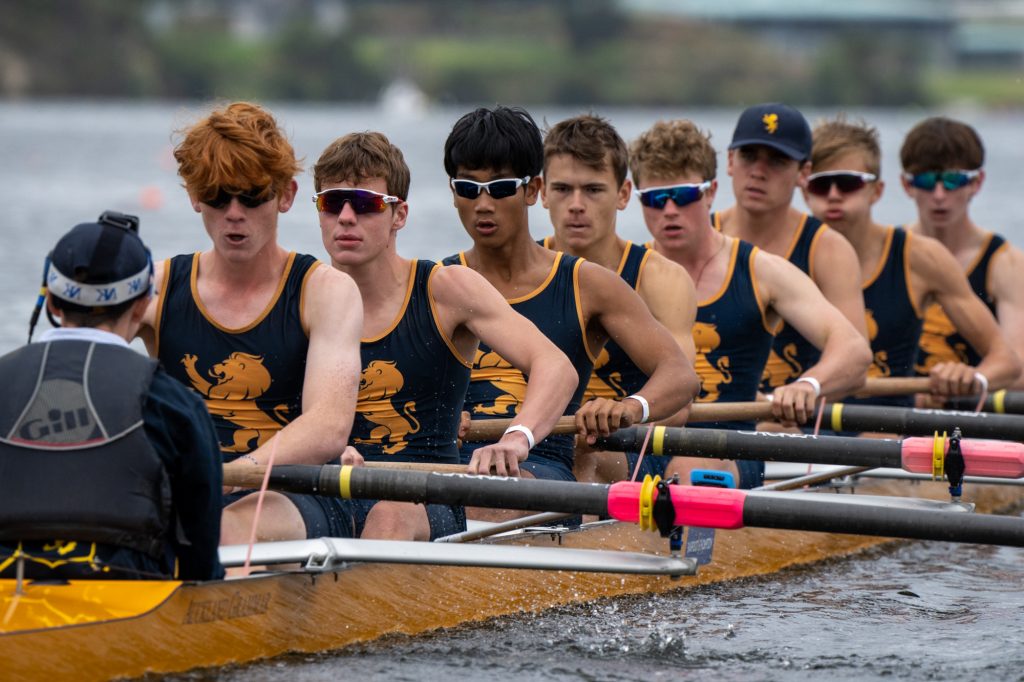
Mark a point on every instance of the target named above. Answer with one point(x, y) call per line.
point(880, 360)
point(495, 369)
point(934, 346)
point(378, 384)
point(781, 368)
point(598, 387)
point(240, 379)
point(712, 377)
point(771, 123)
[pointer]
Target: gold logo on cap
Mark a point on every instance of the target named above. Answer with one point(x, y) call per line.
point(771, 123)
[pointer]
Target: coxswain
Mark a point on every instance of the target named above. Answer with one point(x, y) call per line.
point(111, 468)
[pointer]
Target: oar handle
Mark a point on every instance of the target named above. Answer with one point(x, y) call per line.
point(719, 412)
point(889, 386)
point(488, 430)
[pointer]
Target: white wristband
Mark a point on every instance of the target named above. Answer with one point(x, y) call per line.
point(525, 430)
point(815, 384)
point(983, 380)
point(644, 404)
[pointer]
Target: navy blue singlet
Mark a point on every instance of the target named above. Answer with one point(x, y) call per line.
point(412, 385)
point(940, 341)
point(732, 337)
point(251, 378)
point(615, 375)
point(791, 353)
point(496, 389)
point(893, 320)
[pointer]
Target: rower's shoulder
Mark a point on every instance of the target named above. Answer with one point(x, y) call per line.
point(833, 241)
point(326, 288)
point(1006, 273)
point(772, 270)
point(460, 286)
point(661, 274)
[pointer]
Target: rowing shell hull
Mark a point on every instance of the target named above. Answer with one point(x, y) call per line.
point(93, 631)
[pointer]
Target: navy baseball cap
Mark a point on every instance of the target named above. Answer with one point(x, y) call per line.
point(774, 125)
point(100, 264)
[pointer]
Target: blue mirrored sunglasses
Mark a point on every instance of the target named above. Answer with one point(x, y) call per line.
point(950, 179)
point(681, 195)
point(498, 189)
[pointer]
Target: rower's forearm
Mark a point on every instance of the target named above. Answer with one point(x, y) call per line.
point(309, 439)
point(1000, 367)
point(843, 368)
point(552, 382)
point(670, 389)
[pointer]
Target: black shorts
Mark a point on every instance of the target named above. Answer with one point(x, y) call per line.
point(337, 518)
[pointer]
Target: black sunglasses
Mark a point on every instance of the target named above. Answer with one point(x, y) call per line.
point(250, 198)
point(820, 184)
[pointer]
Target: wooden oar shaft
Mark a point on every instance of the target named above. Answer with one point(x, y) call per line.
point(837, 416)
point(891, 386)
point(487, 430)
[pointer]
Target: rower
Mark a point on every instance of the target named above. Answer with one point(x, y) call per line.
point(421, 326)
point(586, 164)
point(902, 272)
point(768, 159)
point(110, 467)
point(942, 172)
point(494, 158)
point(743, 292)
point(266, 337)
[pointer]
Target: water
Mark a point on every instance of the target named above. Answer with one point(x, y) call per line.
point(905, 612)
point(915, 612)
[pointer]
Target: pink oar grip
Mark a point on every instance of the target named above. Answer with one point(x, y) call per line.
point(994, 458)
point(705, 507)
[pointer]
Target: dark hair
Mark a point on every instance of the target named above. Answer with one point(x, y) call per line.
point(82, 316)
point(498, 139)
point(592, 141)
point(939, 143)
